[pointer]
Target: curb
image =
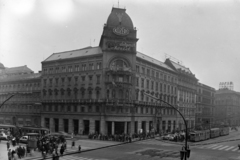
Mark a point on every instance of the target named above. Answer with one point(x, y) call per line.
point(88, 150)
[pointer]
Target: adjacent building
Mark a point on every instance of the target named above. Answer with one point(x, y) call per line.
point(186, 94)
point(204, 107)
point(227, 107)
point(23, 109)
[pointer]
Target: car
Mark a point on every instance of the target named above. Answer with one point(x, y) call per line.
point(23, 139)
point(3, 136)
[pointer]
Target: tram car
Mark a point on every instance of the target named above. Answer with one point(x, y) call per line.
point(197, 136)
point(224, 131)
point(215, 132)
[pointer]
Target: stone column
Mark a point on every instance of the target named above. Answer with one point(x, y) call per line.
point(42, 121)
point(61, 124)
point(103, 128)
point(70, 126)
point(147, 126)
point(92, 126)
point(52, 129)
point(113, 127)
point(139, 126)
point(125, 127)
point(80, 126)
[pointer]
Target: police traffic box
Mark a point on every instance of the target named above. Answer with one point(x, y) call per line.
point(32, 140)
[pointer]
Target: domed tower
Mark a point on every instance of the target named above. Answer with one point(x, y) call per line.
point(1, 66)
point(118, 43)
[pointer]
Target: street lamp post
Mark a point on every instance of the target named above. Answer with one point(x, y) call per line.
point(6, 100)
point(158, 99)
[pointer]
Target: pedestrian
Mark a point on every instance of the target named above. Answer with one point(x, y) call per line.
point(62, 150)
point(79, 148)
point(9, 154)
point(8, 145)
point(23, 152)
point(73, 144)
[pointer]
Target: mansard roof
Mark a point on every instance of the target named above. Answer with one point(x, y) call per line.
point(16, 70)
point(88, 51)
point(154, 61)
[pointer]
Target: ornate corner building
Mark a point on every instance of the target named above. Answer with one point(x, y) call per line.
point(101, 89)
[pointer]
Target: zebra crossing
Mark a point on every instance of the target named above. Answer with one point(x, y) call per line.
point(220, 147)
point(70, 157)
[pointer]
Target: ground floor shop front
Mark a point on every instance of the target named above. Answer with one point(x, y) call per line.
point(108, 125)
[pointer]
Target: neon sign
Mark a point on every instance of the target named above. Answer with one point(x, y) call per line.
point(120, 31)
point(120, 46)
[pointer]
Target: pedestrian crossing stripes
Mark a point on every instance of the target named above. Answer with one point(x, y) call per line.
point(69, 157)
point(220, 147)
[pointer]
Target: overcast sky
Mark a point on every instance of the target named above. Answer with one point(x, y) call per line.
point(203, 34)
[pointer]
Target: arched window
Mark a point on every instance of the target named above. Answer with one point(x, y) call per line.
point(119, 64)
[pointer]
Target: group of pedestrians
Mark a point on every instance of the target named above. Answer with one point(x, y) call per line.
point(50, 146)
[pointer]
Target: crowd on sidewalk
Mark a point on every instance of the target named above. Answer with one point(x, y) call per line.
point(121, 137)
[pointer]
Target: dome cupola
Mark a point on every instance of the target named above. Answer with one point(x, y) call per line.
point(119, 17)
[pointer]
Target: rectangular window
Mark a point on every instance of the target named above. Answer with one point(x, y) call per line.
point(156, 86)
point(98, 79)
point(147, 84)
point(148, 72)
point(143, 70)
point(91, 66)
point(63, 79)
point(83, 78)
point(164, 88)
point(90, 78)
point(45, 82)
point(63, 69)
point(142, 83)
point(56, 79)
point(99, 65)
point(82, 109)
point(84, 67)
point(137, 80)
point(76, 68)
point(157, 75)
point(75, 108)
point(137, 69)
point(97, 108)
point(153, 73)
point(152, 85)
point(76, 79)
point(69, 108)
point(69, 68)
point(69, 79)
point(50, 81)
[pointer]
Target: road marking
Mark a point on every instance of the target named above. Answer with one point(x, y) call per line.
point(235, 149)
point(229, 148)
point(222, 147)
point(212, 146)
point(217, 147)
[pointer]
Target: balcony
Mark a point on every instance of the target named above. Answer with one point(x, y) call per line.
point(122, 71)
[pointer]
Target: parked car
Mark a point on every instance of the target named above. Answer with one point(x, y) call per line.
point(24, 139)
point(3, 136)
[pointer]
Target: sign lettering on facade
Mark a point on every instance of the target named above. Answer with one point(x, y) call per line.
point(120, 46)
point(226, 85)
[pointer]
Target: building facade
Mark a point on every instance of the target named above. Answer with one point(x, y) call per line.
point(186, 94)
point(205, 106)
point(227, 107)
point(105, 89)
point(23, 109)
